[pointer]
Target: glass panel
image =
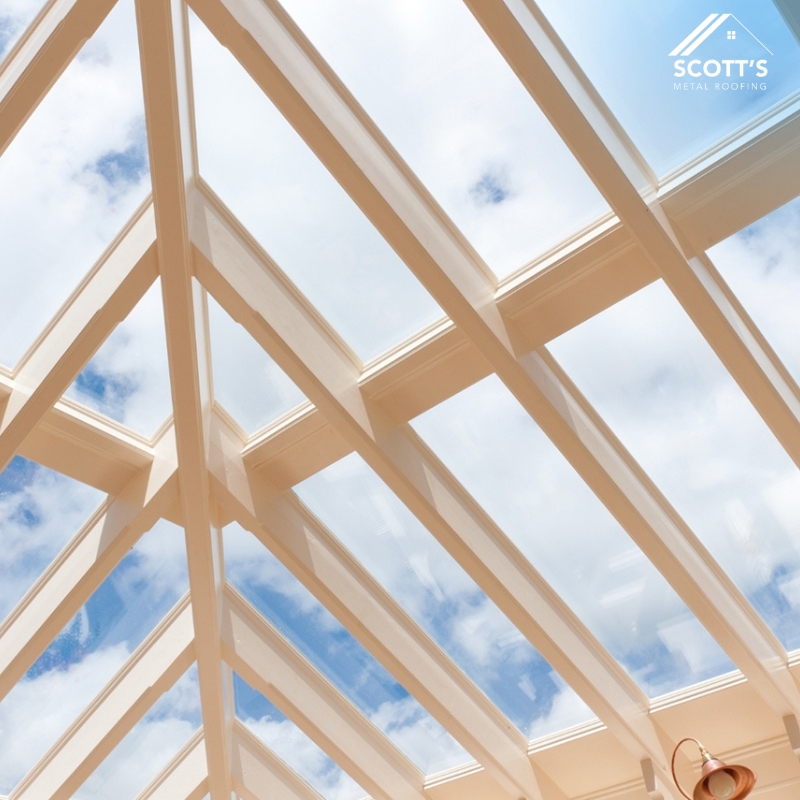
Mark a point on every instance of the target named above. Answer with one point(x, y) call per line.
point(655, 380)
point(432, 587)
point(40, 511)
point(292, 205)
point(79, 169)
point(291, 745)
point(91, 648)
point(15, 16)
point(266, 583)
point(128, 377)
point(675, 101)
point(247, 382)
point(427, 74)
point(760, 265)
point(501, 456)
point(151, 744)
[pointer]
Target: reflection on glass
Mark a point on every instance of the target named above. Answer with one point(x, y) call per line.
point(655, 380)
point(437, 87)
point(668, 98)
point(247, 382)
point(15, 16)
point(334, 652)
point(40, 511)
point(91, 648)
point(760, 265)
point(491, 444)
point(380, 531)
point(79, 169)
point(291, 745)
point(128, 377)
point(284, 196)
point(150, 745)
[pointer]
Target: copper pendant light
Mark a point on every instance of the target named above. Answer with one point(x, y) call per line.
point(718, 781)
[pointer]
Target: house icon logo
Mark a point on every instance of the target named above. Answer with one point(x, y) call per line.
point(707, 27)
point(734, 57)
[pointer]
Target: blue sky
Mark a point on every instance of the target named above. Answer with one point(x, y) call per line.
point(623, 46)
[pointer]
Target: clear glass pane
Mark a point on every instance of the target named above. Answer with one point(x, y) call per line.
point(128, 377)
point(40, 511)
point(15, 16)
point(91, 648)
point(760, 264)
point(380, 531)
point(428, 75)
point(247, 382)
point(291, 745)
point(150, 745)
point(501, 456)
point(283, 601)
point(284, 196)
point(79, 169)
point(655, 380)
point(668, 98)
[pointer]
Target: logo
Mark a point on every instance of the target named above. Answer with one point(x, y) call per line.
point(739, 59)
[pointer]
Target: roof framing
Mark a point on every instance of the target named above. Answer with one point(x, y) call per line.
point(201, 471)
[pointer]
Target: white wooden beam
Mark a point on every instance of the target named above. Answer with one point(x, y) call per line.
point(166, 71)
point(247, 285)
point(41, 55)
point(185, 775)
point(325, 567)
point(106, 296)
point(261, 655)
point(84, 563)
point(155, 666)
point(258, 774)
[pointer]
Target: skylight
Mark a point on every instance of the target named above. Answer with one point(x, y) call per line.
point(373, 422)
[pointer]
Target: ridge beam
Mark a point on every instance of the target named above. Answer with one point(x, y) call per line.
point(166, 79)
point(246, 283)
point(185, 776)
point(152, 670)
point(85, 563)
point(326, 568)
point(41, 55)
point(554, 80)
point(262, 656)
point(108, 294)
point(258, 774)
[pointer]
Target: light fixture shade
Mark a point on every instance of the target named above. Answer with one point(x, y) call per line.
point(745, 780)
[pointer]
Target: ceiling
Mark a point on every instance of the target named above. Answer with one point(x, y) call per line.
point(493, 351)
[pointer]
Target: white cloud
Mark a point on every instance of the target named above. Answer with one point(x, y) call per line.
point(128, 378)
point(62, 212)
point(654, 379)
point(36, 712)
point(260, 167)
point(149, 746)
point(247, 382)
point(437, 87)
point(38, 516)
point(305, 758)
